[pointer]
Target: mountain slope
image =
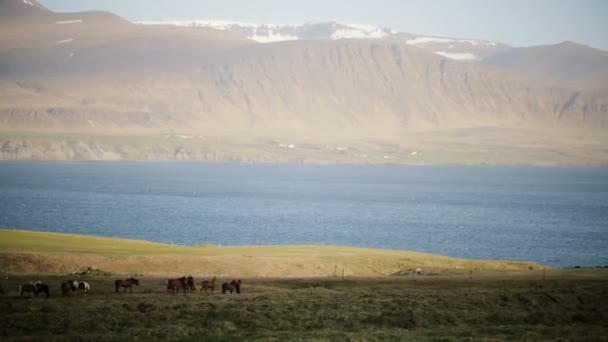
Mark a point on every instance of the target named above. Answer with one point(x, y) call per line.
point(20, 8)
point(95, 73)
point(567, 64)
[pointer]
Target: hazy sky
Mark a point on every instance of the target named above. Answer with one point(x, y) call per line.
point(515, 22)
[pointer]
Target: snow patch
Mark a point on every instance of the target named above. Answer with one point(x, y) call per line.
point(426, 40)
point(357, 31)
point(222, 25)
point(459, 56)
point(63, 22)
point(65, 41)
point(27, 2)
point(268, 33)
point(272, 38)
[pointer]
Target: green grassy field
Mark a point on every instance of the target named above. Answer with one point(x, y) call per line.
point(360, 309)
point(453, 299)
point(27, 252)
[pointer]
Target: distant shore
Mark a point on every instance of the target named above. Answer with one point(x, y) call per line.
point(418, 148)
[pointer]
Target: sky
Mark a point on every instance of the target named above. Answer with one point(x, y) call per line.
point(514, 22)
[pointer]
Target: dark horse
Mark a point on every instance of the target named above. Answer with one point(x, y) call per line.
point(44, 288)
point(174, 285)
point(208, 284)
point(233, 285)
point(34, 289)
point(126, 283)
point(67, 288)
point(189, 285)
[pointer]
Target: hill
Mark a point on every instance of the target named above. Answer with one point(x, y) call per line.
point(27, 252)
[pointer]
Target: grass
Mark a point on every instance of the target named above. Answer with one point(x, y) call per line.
point(378, 309)
point(451, 301)
point(53, 253)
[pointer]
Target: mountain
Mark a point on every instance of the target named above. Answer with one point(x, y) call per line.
point(267, 33)
point(92, 85)
point(12, 9)
point(566, 64)
point(459, 49)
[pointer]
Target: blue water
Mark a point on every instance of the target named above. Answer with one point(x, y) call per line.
point(554, 216)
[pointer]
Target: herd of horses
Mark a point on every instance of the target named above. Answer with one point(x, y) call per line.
point(67, 288)
point(184, 284)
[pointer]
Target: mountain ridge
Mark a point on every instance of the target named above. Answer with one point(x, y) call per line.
point(96, 73)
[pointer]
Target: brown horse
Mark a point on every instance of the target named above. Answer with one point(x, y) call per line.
point(208, 284)
point(44, 288)
point(126, 283)
point(190, 287)
point(233, 285)
point(174, 285)
point(67, 288)
point(28, 289)
point(34, 289)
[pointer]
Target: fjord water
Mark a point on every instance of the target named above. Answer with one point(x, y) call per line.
point(554, 216)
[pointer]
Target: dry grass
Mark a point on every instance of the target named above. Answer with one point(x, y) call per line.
point(27, 252)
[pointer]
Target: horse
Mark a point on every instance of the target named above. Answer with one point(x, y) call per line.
point(41, 287)
point(208, 284)
point(1, 289)
point(176, 284)
point(67, 288)
point(127, 284)
point(28, 289)
point(233, 285)
point(189, 285)
point(83, 286)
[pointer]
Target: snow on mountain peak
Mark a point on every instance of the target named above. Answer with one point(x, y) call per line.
point(459, 56)
point(457, 49)
point(358, 31)
point(427, 40)
point(265, 33)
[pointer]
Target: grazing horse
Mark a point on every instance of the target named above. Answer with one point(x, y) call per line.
point(27, 289)
point(176, 284)
point(127, 284)
point(189, 285)
point(44, 288)
point(84, 287)
point(233, 285)
point(208, 284)
point(67, 288)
